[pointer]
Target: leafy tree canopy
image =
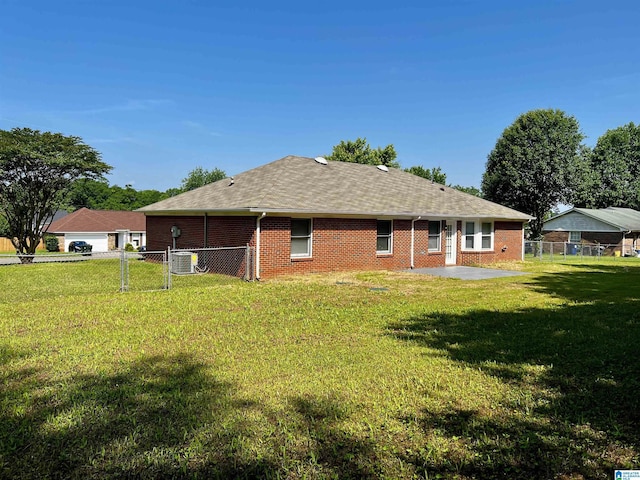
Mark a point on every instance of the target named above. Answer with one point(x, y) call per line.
point(37, 170)
point(434, 174)
point(99, 195)
point(199, 177)
point(4, 227)
point(535, 164)
point(359, 151)
point(613, 178)
point(476, 192)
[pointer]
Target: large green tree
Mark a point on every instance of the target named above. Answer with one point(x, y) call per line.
point(4, 227)
point(199, 177)
point(535, 164)
point(99, 195)
point(475, 191)
point(359, 151)
point(89, 193)
point(37, 170)
point(613, 174)
point(434, 174)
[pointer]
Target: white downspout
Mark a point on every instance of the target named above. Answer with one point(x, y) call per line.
point(413, 233)
point(258, 244)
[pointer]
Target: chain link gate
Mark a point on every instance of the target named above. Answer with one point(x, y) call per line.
point(150, 271)
point(139, 270)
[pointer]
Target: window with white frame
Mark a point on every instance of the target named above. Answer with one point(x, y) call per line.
point(469, 235)
point(385, 230)
point(575, 237)
point(300, 237)
point(478, 235)
point(434, 236)
point(487, 235)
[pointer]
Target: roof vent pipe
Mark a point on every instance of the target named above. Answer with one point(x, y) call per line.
point(382, 168)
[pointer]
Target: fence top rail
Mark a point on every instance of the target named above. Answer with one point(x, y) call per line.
point(207, 248)
point(581, 244)
point(111, 254)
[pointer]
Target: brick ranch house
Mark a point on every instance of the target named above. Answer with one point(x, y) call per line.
point(305, 215)
point(617, 228)
point(105, 230)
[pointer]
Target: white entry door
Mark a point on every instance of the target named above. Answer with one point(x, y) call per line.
point(451, 242)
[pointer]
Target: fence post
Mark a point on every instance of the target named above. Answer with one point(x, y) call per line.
point(247, 263)
point(169, 268)
point(124, 271)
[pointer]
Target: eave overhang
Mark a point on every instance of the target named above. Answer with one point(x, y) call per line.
point(255, 211)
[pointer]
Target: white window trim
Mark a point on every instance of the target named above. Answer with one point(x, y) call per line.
point(579, 235)
point(477, 235)
point(439, 248)
point(309, 237)
point(385, 252)
point(464, 235)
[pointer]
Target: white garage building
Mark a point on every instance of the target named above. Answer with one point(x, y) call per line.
point(105, 230)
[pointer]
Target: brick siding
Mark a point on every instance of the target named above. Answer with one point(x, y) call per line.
point(337, 244)
point(221, 231)
point(613, 240)
point(556, 237)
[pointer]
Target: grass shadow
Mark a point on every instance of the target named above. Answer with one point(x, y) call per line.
point(585, 353)
point(166, 418)
point(331, 451)
point(160, 418)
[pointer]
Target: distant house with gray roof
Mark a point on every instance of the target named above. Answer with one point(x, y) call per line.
point(312, 215)
point(617, 228)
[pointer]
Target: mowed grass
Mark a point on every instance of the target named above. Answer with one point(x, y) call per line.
point(364, 375)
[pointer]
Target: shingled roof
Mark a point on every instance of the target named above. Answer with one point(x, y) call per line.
point(99, 221)
point(300, 185)
point(623, 219)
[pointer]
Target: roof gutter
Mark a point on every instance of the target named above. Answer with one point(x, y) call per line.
point(258, 219)
point(291, 212)
point(413, 242)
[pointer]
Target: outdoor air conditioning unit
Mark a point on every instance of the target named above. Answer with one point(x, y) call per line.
point(184, 263)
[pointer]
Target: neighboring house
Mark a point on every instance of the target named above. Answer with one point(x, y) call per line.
point(616, 227)
point(313, 215)
point(56, 216)
point(104, 229)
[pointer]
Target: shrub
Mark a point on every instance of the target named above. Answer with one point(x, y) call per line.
point(129, 248)
point(51, 243)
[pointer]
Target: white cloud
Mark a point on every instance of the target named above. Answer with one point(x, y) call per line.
point(128, 106)
point(200, 128)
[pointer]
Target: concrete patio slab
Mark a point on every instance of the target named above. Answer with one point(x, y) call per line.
point(466, 273)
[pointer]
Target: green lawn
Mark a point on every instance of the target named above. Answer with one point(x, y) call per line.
point(371, 375)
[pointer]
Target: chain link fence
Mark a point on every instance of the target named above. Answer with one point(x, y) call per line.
point(144, 271)
point(231, 261)
point(178, 264)
point(39, 275)
point(563, 251)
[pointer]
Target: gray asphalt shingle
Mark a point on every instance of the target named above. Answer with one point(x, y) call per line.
point(302, 185)
point(623, 218)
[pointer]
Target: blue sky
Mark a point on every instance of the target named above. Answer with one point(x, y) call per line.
point(162, 87)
